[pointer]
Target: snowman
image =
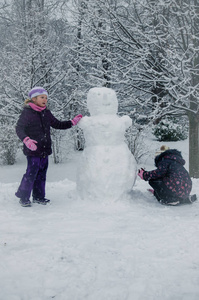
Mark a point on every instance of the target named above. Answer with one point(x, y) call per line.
point(107, 169)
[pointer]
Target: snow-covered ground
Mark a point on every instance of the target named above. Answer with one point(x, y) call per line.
point(134, 249)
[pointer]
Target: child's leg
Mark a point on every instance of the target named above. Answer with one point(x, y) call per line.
point(40, 181)
point(26, 185)
point(158, 190)
point(162, 193)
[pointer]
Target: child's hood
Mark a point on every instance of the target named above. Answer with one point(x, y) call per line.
point(171, 154)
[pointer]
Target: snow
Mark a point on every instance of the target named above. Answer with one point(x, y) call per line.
point(106, 153)
point(73, 250)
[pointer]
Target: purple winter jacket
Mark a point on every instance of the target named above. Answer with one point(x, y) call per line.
point(170, 170)
point(36, 125)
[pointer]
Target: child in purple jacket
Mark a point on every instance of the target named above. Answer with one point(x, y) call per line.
point(33, 128)
point(171, 182)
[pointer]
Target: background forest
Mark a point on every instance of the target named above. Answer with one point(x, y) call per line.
point(146, 50)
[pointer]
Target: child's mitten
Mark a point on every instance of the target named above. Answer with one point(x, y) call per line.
point(140, 173)
point(30, 144)
point(76, 119)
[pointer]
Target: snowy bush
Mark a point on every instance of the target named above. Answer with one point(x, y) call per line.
point(8, 145)
point(79, 139)
point(171, 130)
point(65, 142)
point(135, 137)
point(61, 144)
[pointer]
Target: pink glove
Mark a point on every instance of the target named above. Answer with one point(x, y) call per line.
point(76, 119)
point(30, 144)
point(140, 173)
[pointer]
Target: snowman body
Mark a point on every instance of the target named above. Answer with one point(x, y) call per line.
point(107, 168)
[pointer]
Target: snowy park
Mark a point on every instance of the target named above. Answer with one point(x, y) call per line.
point(94, 246)
point(122, 78)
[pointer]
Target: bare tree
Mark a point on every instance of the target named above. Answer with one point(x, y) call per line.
point(33, 52)
point(147, 50)
point(156, 61)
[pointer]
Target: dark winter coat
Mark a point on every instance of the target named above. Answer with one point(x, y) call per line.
point(170, 169)
point(36, 125)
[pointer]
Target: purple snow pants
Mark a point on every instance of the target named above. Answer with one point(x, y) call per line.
point(34, 179)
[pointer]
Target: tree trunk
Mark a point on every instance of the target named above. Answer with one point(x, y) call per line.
point(194, 145)
point(194, 102)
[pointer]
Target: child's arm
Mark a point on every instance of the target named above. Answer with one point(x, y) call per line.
point(20, 130)
point(160, 172)
point(55, 123)
point(21, 126)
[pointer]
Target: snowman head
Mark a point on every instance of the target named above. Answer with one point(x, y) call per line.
point(102, 100)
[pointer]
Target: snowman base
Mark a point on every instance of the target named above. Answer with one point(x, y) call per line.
point(104, 177)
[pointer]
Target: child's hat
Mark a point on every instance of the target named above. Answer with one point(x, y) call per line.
point(162, 149)
point(36, 91)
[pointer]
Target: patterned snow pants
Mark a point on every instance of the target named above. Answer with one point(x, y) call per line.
point(163, 194)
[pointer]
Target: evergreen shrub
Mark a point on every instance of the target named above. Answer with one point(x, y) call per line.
point(171, 130)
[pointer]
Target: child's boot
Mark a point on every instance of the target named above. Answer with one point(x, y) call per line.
point(43, 201)
point(192, 198)
point(25, 202)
